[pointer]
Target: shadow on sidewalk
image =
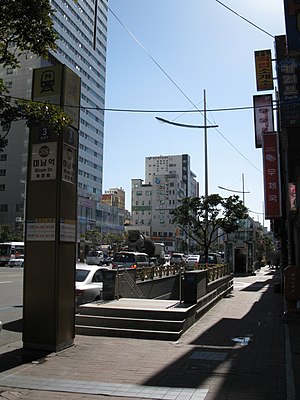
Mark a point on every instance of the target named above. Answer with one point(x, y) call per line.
point(238, 357)
point(14, 326)
point(19, 357)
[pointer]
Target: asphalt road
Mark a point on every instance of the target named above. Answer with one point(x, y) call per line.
point(11, 304)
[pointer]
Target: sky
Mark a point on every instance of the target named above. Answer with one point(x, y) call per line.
point(161, 56)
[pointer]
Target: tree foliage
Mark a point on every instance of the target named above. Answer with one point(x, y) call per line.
point(93, 237)
point(29, 26)
point(7, 234)
point(26, 26)
point(202, 218)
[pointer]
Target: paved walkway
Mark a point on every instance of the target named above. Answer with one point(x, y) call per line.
point(239, 350)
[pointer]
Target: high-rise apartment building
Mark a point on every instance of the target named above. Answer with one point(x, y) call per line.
point(82, 29)
point(168, 179)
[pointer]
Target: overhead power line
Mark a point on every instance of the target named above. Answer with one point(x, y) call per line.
point(137, 110)
point(245, 19)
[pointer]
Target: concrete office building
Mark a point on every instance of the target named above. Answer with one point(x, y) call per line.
point(82, 29)
point(167, 180)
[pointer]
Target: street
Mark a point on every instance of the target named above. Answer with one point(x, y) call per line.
point(11, 304)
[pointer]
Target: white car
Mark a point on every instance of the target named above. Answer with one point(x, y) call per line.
point(88, 284)
point(95, 257)
point(16, 262)
point(192, 261)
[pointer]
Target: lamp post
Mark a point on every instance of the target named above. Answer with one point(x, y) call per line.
point(205, 127)
point(236, 191)
point(249, 250)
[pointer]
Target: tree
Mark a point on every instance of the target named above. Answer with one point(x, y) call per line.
point(93, 237)
point(202, 218)
point(6, 233)
point(26, 26)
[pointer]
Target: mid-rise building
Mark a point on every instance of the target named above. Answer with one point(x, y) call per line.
point(82, 30)
point(168, 179)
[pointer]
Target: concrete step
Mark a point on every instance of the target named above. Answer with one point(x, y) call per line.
point(129, 323)
point(128, 333)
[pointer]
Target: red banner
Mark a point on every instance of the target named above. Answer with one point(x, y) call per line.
point(271, 176)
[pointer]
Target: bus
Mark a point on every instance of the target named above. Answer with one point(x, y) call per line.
point(9, 250)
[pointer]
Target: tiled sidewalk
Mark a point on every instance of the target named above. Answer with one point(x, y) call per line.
point(236, 351)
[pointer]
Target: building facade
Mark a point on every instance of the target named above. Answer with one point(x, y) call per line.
point(82, 30)
point(168, 179)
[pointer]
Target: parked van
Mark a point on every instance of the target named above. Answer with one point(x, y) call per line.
point(130, 259)
point(95, 257)
point(213, 258)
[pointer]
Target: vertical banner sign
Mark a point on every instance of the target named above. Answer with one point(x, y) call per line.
point(292, 24)
point(288, 72)
point(263, 117)
point(264, 71)
point(271, 176)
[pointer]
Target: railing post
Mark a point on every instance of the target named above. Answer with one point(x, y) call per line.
point(180, 285)
point(117, 283)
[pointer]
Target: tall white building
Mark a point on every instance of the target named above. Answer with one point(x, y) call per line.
point(82, 29)
point(168, 179)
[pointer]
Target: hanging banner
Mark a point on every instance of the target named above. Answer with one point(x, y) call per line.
point(263, 117)
point(271, 176)
point(264, 71)
point(288, 72)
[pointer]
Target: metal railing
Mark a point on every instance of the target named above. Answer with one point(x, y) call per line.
point(214, 271)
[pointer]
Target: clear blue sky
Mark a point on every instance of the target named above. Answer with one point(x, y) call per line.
point(201, 45)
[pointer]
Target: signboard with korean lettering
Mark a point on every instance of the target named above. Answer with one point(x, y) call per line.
point(288, 72)
point(271, 176)
point(264, 71)
point(69, 164)
point(263, 117)
point(292, 24)
point(43, 161)
point(51, 216)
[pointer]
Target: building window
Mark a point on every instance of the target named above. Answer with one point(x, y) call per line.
point(9, 71)
point(162, 221)
point(2, 172)
point(3, 207)
point(3, 157)
point(20, 207)
point(2, 188)
point(139, 193)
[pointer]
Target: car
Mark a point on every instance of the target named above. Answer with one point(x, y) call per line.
point(16, 262)
point(130, 259)
point(178, 259)
point(167, 258)
point(192, 261)
point(88, 284)
point(213, 258)
point(95, 257)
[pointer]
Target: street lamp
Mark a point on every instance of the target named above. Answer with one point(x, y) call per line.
point(205, 127)
point(236, 191)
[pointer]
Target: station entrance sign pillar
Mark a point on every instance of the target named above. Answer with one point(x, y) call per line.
point(51, 214)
